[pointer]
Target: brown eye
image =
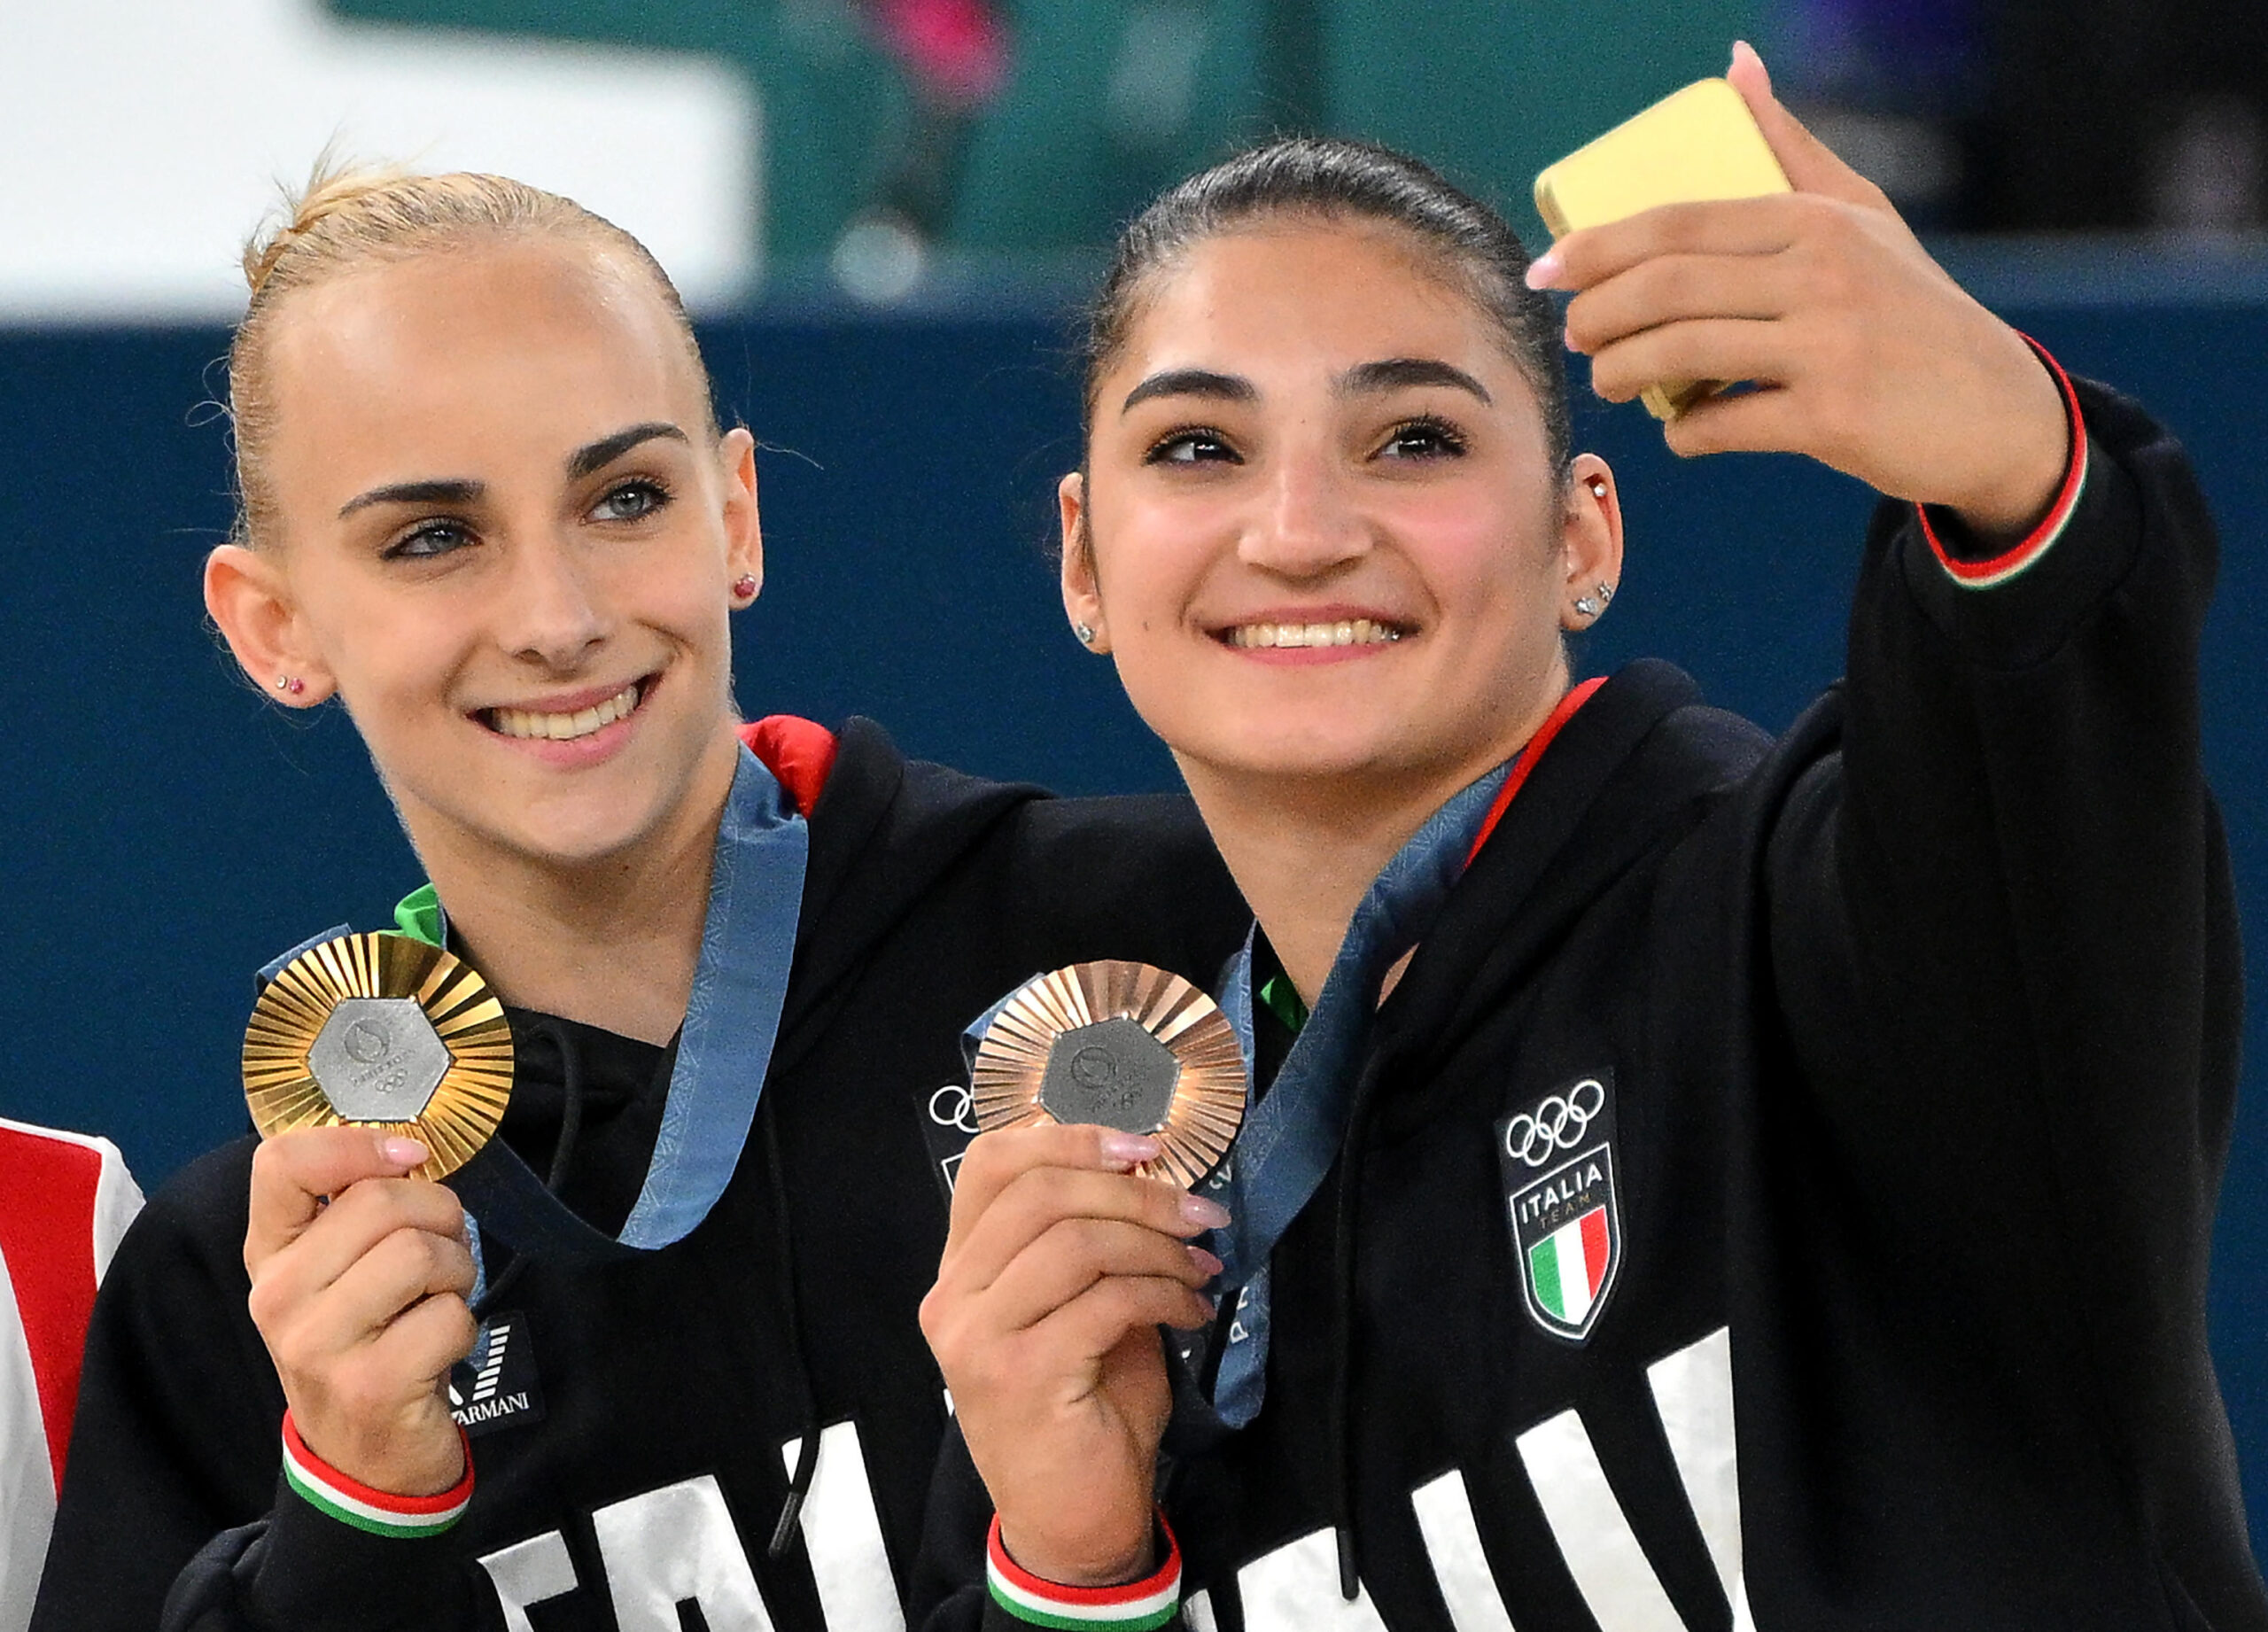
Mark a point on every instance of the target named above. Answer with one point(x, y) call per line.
point(1197, 446)
point(1423, 439)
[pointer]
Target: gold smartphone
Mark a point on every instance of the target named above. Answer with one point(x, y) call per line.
point(1696, 145)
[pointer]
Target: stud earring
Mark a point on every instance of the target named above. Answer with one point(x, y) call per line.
point(1086, 635)
point(291, 683)
point(1586, 607)
point(1598, 488)
point(1605, 593)
point(745, 586)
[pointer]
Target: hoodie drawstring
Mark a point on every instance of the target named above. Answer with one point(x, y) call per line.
point(799, 1484)
point(1345, 1219)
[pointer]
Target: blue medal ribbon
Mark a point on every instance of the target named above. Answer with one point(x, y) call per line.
point(1292, 1134)
point(732, 1020)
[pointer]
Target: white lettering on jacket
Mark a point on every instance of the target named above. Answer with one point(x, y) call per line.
point(843, 1535)
point(1296, 1586)
point(679, 1544)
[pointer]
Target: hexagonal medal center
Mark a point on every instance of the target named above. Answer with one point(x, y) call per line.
point(378, 1059)
point(1113, 1072)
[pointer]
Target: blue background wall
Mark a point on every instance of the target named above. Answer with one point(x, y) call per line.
point(172, 830)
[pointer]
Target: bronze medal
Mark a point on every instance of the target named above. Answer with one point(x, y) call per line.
point(1122, 1045)
point(382, 1031)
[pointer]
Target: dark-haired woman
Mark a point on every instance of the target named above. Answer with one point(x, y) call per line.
point(1694, 1181)
point(487, 507)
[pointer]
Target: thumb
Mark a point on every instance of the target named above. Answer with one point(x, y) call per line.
point(1811, 165)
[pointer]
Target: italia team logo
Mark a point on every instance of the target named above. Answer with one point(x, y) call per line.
point(1557, 1157)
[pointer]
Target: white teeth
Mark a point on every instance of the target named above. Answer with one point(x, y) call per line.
point(1347, 632)
point(563, 727)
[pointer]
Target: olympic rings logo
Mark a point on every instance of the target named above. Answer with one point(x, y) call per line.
point(953, 1106)
point(1558, 1123)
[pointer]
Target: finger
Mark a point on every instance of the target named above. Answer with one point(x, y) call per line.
point(995, 1160)
point(1096, 1321)
point(1766, 421)
point(1703, 349)
point(1811, 165)
point(1717, 227)
point(366, 1213)
point(398, 1272)
point(292, 1173)
point(1041, 1199)
point(427, 1339)
point(1673, 289)
point(1077, 1255)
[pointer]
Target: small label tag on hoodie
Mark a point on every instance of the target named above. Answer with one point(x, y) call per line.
point(495, 1387)
point(1557, 1157)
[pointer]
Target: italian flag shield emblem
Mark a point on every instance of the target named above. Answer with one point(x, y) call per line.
point(1569, 1235)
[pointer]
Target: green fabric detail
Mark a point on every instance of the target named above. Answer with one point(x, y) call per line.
point(1543, 1274)
point(1099, 1621)
point(1282, 999)
point(419, 915)
point(315, 1498)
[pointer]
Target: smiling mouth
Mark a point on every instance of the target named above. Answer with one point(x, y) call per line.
point(1346, 631)
point(527, 723)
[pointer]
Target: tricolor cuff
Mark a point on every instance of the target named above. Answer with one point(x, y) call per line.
point(2000, 568)
point(1135, 1607)
point(324, 1487)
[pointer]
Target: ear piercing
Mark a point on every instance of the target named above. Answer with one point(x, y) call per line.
point(1591, 605)
point(1598, 488)
point(1605, 593)
point(1085, 634)
point(745, 586)
point(291, 683)
point(1585, 607)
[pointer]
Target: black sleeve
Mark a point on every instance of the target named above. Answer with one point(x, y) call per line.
point(948, 1592)
point(2001, 939)
point(172, 1512)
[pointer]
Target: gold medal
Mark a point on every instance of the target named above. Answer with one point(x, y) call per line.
point(381, 1031)
point(1122, 1045)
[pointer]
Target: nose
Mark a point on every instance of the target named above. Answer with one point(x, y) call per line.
point(551, 615)
point(1308, 525)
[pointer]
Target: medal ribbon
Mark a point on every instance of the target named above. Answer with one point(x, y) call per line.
point(1291, 1136)
point(731, 1020)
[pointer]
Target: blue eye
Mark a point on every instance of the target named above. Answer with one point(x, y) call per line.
point(630, 501)
point(429, 540)
point(1196, 445)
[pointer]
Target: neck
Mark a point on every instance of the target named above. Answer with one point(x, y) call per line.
point(1305, 849)
point(612, 942)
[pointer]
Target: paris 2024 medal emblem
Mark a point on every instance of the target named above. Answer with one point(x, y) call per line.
point(383, 1030)
point(1121, 1045)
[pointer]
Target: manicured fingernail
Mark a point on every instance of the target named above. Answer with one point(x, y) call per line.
point(1543, 270)
point(1204, 1261)
point(1118, 1146)
point(403, 1153)
point(1206, 1215)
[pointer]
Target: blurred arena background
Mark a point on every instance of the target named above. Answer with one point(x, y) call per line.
point(885, 211)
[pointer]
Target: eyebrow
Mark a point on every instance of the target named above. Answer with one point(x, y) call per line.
point(1401, 373)
point(1191, 383)
point(463, 490)
point(447, 492)
point(599, 455)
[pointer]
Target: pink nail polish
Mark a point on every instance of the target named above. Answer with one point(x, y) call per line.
point(1544, 270)
point(1204, 1261)
point(1137, 1147)
point(404, 1153)
point(1205, 1215)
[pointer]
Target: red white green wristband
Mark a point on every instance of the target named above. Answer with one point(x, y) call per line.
point(351, 1501)
point(1135, 1607)
point(2001, 568)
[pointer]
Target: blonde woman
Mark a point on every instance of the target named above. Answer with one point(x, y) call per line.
point(488, 510)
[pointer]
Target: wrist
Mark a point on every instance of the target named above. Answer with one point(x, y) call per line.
point(381, 1512)
point(2033, 457)
point(1982, 562)
point(1148, 1600)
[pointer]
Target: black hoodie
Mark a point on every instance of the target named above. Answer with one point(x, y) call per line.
point(1779, 1190)
point(645, 1466)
